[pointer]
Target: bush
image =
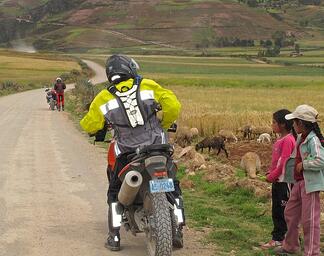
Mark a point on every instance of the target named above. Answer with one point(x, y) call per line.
point(84, 91)
point(9, 85)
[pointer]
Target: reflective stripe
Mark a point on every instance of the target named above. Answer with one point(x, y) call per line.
point(104, 109)
point(147, 95)
point(110, 105)
point(116, 218)
point(117, 151)
point(163, 138)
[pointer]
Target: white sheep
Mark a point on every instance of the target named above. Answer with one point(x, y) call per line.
point(264, 137)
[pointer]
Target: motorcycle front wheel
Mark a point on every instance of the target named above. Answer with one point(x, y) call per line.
point(159, 234)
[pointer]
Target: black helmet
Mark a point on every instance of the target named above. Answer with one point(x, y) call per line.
point(120, 68)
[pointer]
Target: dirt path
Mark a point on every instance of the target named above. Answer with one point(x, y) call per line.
point(100, 76)
point(53, 186)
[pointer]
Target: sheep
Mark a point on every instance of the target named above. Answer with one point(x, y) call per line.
point(184, 136)
point(246, 130)
point(214, 143)
point(251, 163)
point(194, 132)
point(227, 135)
point(264, 137)
point(257, 131)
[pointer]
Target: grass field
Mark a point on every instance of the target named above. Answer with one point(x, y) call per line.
point(27, 71)
point(233, 217)
point(228, 92)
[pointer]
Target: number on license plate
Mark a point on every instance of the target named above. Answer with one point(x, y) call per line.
point(161, 185)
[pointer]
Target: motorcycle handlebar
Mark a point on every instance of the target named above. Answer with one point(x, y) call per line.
point(173, 128)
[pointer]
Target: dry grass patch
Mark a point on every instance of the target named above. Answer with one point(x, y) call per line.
point(212, 109)
point(26, 69)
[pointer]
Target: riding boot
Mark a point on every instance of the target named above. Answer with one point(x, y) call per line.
point(113, 240)
point(177, 237)
point(62, 107)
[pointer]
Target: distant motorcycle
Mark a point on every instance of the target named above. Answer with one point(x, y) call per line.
point(51, 98)
point(147, 201)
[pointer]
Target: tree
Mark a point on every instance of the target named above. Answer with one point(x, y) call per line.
point(297, 48)
point(252, 3)
point(279, 38)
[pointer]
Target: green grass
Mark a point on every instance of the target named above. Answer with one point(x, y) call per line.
point(234, 220)
point(235, 72)
point(234, 217)
point(298, 60)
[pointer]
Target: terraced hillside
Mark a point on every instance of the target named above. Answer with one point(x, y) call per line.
point(81, 25)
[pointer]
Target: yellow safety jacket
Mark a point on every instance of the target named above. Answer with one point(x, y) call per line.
point(131, 109)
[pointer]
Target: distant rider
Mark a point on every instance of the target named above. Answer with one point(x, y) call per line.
point(59, 87)
point(129, 104)
point(50, 93)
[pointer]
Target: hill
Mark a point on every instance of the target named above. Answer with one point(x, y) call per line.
point(83, 25)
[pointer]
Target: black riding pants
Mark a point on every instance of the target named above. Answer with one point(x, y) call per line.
point(280, 196)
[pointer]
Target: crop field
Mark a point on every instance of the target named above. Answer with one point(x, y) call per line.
point(228, 92)
point(32, 69)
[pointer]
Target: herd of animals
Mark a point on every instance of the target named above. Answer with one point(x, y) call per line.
point(250, 162)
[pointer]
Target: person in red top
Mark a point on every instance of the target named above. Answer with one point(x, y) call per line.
point(281, 151)
point(59, 87)
point(304, 205)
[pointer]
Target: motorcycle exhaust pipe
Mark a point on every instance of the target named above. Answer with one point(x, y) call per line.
point(130, 187)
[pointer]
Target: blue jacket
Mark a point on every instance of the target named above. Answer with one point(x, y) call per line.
point(312, 154)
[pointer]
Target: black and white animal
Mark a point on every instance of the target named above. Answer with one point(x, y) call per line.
point(212, 143)
point(246, 131)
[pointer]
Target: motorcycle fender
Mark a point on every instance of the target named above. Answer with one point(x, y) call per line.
point(155, 163)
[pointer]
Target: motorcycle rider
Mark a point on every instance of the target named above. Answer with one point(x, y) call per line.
point(59, 87)
point(129, 104)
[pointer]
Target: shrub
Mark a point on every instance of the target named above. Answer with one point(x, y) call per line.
point(85, 92)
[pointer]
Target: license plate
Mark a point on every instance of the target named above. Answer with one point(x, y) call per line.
point(161, 185)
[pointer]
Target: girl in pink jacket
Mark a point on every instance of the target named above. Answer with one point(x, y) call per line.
point(281, 152)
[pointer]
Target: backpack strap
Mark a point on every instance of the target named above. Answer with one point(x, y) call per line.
point(129, 103)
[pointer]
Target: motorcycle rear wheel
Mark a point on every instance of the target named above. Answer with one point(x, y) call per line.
point(159, 236)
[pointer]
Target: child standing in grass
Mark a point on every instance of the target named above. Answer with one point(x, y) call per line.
point(281, 152)
point(306, 168)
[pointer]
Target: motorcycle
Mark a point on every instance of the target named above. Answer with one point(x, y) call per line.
point(51, 98)
point(148, 200)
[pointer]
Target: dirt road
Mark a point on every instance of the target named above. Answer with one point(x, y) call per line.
point(53, 186)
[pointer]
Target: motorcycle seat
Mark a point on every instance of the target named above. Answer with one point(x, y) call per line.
point(155, 148)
